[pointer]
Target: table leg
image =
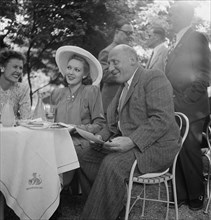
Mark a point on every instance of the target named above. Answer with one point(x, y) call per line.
point(1, 206)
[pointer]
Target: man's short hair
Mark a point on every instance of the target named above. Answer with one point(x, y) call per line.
point(160, 31)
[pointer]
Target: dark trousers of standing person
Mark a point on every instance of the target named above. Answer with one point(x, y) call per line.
point(102, 178)
point(189, 169)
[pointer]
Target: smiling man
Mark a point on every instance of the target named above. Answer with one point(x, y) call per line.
point(11, 70)
point(140, 125)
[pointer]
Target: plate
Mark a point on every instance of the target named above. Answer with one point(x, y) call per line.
point(35, 126)
point(45, 125)
point(61, 125)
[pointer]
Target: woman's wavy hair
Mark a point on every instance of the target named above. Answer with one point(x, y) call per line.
point(87, 80)
point(7, 54)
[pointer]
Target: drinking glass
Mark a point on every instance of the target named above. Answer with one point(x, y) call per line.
point(50, 112)
point(1, 107)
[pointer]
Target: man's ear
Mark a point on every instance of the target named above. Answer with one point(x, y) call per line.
point(116, 31)
point(2, 69)
point(133, 61)
point(85, 75)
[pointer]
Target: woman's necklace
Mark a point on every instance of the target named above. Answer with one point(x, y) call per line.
point(72, 95)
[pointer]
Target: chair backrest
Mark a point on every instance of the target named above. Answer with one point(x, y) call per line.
point(208, 134)
point(183, 124)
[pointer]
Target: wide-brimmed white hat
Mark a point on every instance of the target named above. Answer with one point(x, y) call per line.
point(64, 53)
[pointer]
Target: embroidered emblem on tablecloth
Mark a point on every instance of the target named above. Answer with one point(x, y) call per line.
point(35, 182)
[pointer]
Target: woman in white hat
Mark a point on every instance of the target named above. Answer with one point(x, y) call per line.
point(79, 102)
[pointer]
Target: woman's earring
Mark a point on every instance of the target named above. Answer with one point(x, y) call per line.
point(2, 69)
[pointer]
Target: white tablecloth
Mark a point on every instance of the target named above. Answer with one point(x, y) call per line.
point(30, 162)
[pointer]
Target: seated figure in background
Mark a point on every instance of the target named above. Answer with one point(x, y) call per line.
point(79, 103)
point(17, 93)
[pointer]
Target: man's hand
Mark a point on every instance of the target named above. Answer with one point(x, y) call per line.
point(99, 137)
point(97, 146)
point(119, 144)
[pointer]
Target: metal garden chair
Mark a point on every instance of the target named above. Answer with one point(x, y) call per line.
point(157, 178)
point(207, 153)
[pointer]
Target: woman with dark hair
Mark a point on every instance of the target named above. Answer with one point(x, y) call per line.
point(17, 93)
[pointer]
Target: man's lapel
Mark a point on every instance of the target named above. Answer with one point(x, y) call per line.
point(133, 84)
point(174, 53)
point(154, 59)
point(112, 111)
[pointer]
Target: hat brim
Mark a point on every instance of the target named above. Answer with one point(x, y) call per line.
point(64, 53)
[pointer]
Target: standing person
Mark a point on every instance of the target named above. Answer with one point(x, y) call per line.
point(11, 71)
point(149, 133)
point(157, 42)
point(123, 35)
point(188, 69)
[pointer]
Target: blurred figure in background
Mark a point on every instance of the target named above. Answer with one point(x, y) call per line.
point(188, 70)
point(18, 94)
point(159, 48)
point(123, 35)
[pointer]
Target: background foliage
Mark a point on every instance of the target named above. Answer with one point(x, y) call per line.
point(39, 27)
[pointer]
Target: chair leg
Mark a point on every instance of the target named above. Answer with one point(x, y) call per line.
point(167, 195)
point(143, 207)
point(129, 191)
point(159, 191)
point(208, 182)
point(1, 206)
point(175, 198)
point(208, 176)
point(208, 203)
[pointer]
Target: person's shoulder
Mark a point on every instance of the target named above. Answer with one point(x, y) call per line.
point(57, 92)
point(22, 86)
point(91, 89)
point(153, 73)
point(157, 78)
point(108, 48)
point(198, 36)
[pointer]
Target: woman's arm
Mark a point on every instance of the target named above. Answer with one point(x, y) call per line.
point(95, 108)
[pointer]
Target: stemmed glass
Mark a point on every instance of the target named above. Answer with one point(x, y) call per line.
point(1, 107)
point(50, 111)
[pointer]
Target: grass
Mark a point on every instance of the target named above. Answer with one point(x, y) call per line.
point(72, 206)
